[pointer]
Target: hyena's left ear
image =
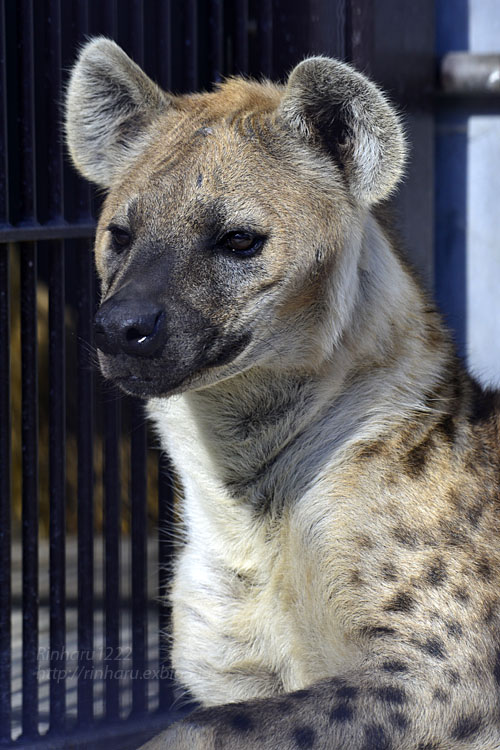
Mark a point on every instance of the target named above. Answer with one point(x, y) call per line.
point(333, 106)
point(110, 105)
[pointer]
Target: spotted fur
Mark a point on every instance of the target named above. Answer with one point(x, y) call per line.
point(338, 582)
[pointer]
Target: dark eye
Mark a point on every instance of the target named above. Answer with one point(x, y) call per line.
point(120, 238)
point(242, 243)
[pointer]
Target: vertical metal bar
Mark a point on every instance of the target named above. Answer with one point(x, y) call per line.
point(190, 45)
point(85, 489)
point(4, 165)
point(57, 441)
point(265, 35)
point(57, 380)
point(164, 41)
point(27, 198)
point(139, 555)
point(165, 558)
point(112, 487)
point(52, 59)
point(30, 489)
point(5, 499)
point(5, 419)
point(241, 37)
point(216, 39)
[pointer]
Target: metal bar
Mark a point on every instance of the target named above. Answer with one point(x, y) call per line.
point(56, 231)
point(112, 486)
point(29, 434)
point(5, 500)
point(265, 36)
point(138, 501)
point(216, 39)
point(164, 43)
point(27, 119)
point(241, 37)
point(85, 489)
point(470, 74)
point(4, 163)
point(57, 443)
point(165, 558)
point(50, 180)
point(190, 45)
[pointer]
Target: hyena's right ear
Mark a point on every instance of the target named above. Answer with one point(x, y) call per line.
point(333, 107)
point(109, 105)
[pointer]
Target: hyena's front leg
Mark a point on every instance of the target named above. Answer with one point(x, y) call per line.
point(387, 708)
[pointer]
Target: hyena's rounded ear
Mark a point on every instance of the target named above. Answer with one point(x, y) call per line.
point(110, 103)
point(336, 108)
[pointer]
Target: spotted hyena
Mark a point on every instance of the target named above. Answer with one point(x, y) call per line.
point(338, 581)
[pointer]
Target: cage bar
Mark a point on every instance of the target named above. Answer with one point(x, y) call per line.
point(138, 501)
point(85, 691)
point(190, 73)
point(265, 36)
point(57, 450)
point(5, 492)
point(29, 436)
point(4, 166)
point(112, 487)
point(240, 47)
point(216, 39)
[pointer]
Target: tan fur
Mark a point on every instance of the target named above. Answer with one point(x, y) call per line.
point(338, 582)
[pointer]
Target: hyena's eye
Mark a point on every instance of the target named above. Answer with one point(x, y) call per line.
point(120, 238)
point(242, 243)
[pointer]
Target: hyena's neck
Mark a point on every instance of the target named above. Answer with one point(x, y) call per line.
point(249, 437)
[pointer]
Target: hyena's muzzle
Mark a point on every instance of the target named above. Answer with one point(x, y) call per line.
point(154, 340)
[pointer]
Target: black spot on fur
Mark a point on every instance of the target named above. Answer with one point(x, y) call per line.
point(304, 737)
point(484, 569)
point(399, 721)
point(347, 692)
point(394, 666)
point(453, 677)
point(453, 534)
point(474, 513)
point(414, 462)
point(405, 537)
point(376, 738)
point(377, 632)
point(490, 611)
point(341, 713)
point(428, 746)
point(436, 575)
point(454, 629)
point(462, 595)
point(389, 573)
point(441, 696)
point(300, 694)
point(390, 694)
point(241, 722)
point(466, 727)
point(434, 647)
point(446, 426)
point(402, 602)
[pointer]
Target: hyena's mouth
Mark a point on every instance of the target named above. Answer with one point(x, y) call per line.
point(171, 372)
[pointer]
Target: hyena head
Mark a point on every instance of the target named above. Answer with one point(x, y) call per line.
point(231, 231)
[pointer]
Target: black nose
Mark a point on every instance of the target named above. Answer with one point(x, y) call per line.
point(134, 327)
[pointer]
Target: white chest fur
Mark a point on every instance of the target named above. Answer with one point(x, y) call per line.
point(235, 594)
